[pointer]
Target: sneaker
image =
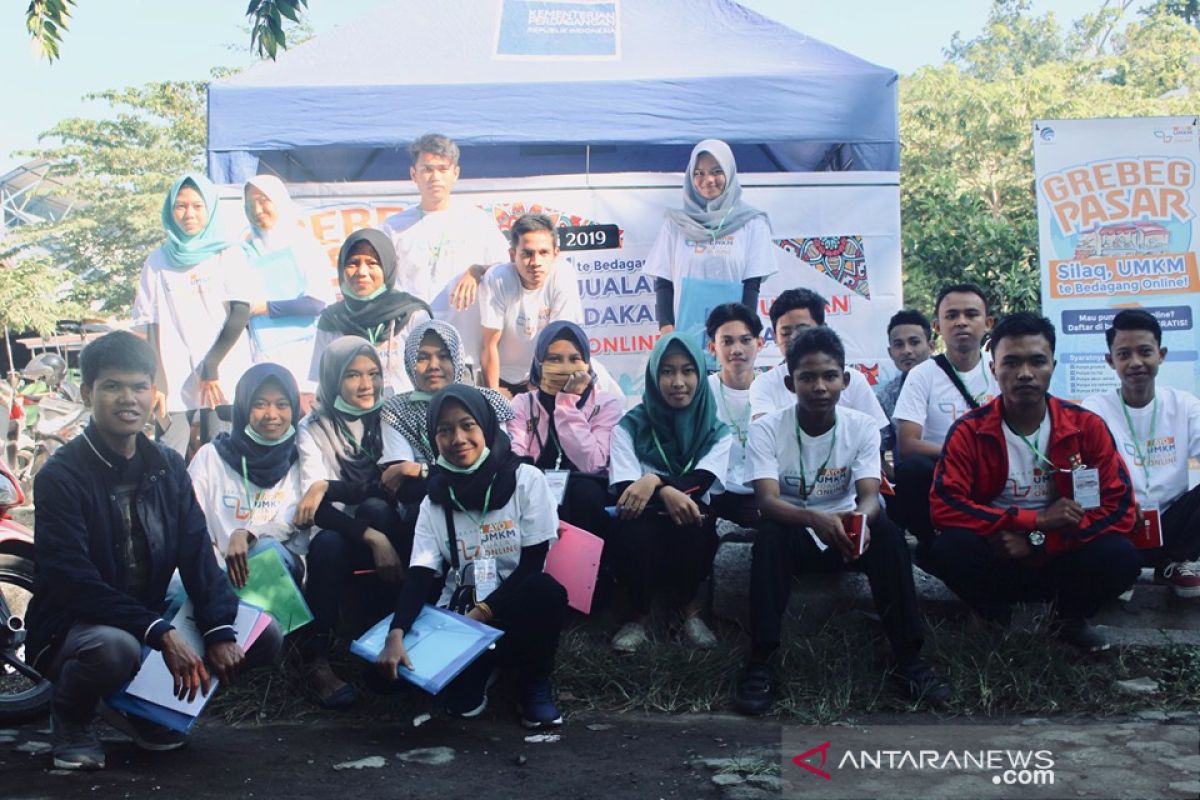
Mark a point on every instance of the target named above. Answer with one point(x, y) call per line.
point(466, 696)
point(1082, 635)
point(755, 691)
point(1126, 596)
point(536, 705)
point(923, 683)
point(332, 692)
point(630, 638)
point(1182, 576)
point(699, 634)
point(145, 734)
point(76, 745)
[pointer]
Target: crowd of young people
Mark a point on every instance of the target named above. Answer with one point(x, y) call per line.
point(385, 478)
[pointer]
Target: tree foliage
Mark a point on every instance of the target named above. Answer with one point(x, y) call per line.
point(968, 203)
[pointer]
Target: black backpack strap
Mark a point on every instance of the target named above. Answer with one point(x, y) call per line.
point(948, 368)
point(452, 536)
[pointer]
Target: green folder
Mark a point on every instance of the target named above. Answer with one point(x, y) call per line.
point(271, 588)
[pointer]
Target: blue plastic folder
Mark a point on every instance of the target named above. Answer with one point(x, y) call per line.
point(278, 277)
point(697, 298)
point(440, 645)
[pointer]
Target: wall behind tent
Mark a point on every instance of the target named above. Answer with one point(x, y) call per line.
point(836, 233)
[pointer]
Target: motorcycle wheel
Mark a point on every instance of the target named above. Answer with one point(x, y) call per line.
point(21, 698)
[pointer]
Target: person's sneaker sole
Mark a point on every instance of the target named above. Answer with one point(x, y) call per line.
point(91, 765)
point(119, 721)
point(533, 725)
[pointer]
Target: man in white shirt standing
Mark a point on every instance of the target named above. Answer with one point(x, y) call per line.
point(734, 337)
point(794, 311)
point(935, 394)
point(444, 247)
point(518, 299)
point(1156, 429)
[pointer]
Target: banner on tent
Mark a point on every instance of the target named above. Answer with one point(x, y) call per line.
point(1117, 224)
point(836, 233)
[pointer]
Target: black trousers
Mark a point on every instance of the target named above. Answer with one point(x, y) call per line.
point(740, 509)
point(584, 503)
point(652, 552)
point(1079, 581)
point(1180, 530)
point(910, 506)
point(332, 560)
point(779, 553)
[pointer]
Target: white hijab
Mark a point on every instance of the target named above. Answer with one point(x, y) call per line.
point(703, 220)
point(288, 230)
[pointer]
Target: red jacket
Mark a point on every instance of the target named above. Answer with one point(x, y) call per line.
point(974, 467)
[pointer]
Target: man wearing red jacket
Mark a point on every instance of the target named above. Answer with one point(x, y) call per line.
point(1031, 499)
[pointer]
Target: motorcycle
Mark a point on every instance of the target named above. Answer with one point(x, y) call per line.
point(24, 693)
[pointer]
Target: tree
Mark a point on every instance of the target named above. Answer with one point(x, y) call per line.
point(48, 20)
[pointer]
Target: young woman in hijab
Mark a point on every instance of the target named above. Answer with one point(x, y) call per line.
point(564, 422)
point(247, 481)
point(340, 446)
point(193, 311)
point(667, 456)
point(371, 306)
point(501, 523)
point(290, 275)
point(715, 237)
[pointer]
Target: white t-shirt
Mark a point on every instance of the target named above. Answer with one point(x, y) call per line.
point(221, 493)
point(434, 249)
point(397, 448)
point(746, 253)
point(1176, 438)
point(769, 393)
point(624, 466)
point(1030, 485)
point(930, 399)
point(520, 314)
point(189, 307)
point(733, 408)
point(530, 517)
point(317, 464)
point(391, 353)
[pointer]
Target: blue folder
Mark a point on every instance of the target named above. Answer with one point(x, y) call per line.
point(281, 279)
point(440, 645)
point(697, 298)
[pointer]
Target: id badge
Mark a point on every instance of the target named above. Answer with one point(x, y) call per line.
point(557, 479)
point(1086, 484)
point(486, 579)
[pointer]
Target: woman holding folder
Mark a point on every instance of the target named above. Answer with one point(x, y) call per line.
point(667, 456)
point(486, 525)
point(247, 481)
point(564, 423)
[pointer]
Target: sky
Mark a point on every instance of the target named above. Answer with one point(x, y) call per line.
point(111, 45)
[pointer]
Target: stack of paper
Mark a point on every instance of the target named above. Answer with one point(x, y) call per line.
point(151, 692)
point(440, 645)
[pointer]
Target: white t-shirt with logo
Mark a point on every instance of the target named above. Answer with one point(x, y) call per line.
point(769, 393)
point(930, 399)
point(1030, 482)
point(221, 493)
point(1176, 438)
point(530, 517)
point(434, 249)
point(520, 314)
point(733, 408)
point(189, 307)
point(842, 456)
point(746, 253)
point(624, 465)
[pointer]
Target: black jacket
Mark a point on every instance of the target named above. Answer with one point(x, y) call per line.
point(79, 546)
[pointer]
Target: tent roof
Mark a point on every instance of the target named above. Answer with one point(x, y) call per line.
point(682, 70)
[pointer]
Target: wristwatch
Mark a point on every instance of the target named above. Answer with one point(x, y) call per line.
point(1037, 538)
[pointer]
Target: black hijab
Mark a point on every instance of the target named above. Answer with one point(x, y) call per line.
point(371, 319)
point(266, 465)
point(499, 469)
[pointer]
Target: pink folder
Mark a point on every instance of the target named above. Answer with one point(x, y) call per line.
point(573, 561)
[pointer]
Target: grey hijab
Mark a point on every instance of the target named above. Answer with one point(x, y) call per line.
point(355, 442)
point(706, 220)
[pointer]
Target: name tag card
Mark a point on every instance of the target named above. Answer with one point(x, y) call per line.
point(486, 578)
point(557, 478)
point(1086, 483)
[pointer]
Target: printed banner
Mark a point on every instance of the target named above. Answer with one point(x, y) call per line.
point(835, 233)
point(1117, 223)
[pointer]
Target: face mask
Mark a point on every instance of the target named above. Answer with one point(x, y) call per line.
point(417, 396)
point(444, 464)
point(354, 411)
point(254, 436)
point(348, 293)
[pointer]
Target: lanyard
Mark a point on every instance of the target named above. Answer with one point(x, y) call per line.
point(487, 500)
point(373, 334)
point(670, 467)
point(249, 495)
point(805, 489)
point(962, 376)
point(715, 233)
point(1037, 454)
point(549, 429)
point(1137, 448)
point(435, 256)
point(739, 429)
point(358, 448)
